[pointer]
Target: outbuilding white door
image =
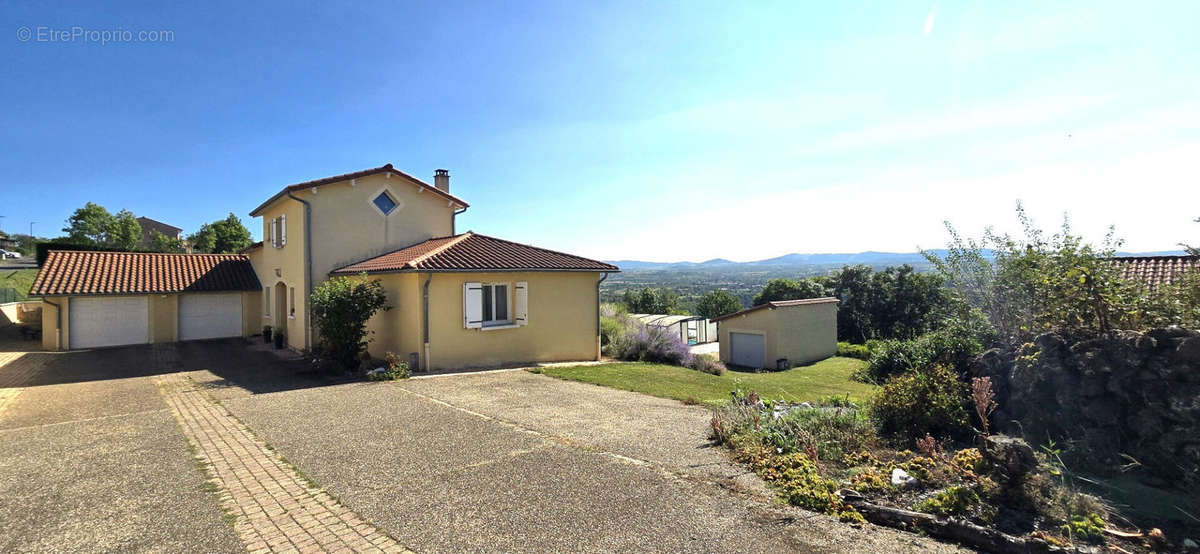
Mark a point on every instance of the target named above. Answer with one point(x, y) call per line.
point(210, 316)
point(108, 321)
point(747, 349)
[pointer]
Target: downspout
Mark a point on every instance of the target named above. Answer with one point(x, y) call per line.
point(599, 347)
point(57, 323)
point(425, 321)
point(454, 221)
point(307, 269)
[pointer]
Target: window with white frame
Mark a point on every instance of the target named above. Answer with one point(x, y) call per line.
point(495, 304)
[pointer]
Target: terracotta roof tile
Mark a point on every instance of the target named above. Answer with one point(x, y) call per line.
point(1155, 270)
point(779, 304)
point(355, 175)
point(91, 273)
point(473, 252)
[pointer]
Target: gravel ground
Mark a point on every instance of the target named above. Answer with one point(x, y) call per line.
point(91, 461)
point(512, 461)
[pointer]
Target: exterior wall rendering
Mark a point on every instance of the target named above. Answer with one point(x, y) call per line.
point(561, 322)
point(162, 317)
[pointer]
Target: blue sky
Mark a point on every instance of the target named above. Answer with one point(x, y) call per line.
point(646, 130)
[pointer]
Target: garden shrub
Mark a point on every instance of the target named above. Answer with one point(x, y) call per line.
point(954, 501)
point(647, 343)
point(707, 363)
point(928, 401)
point(953, 346)
point(858, 351)
point(396, 368)
point(612, 330)
point(341, 307)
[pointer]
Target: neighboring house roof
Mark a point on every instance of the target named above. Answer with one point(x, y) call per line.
point(1155, 270)
point(357, 174)
point(779, 304)
point(251, 247)
point(473, 252)
point(153, 225)
point(73, 273)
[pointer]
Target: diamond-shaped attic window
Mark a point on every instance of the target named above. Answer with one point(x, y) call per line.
point(385, 203)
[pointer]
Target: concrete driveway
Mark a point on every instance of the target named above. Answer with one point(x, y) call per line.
point(91, 459)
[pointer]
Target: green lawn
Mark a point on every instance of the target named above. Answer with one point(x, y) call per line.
point(17, 279)
point(808, 383)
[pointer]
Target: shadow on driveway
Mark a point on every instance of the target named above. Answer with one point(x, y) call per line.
point(232, 361)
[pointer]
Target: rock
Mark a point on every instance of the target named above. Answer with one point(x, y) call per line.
point(1172, 332)
point(376, 371)
point(1012, 456)
point(901, 478)
point(1189, 544)
point(1188, 351)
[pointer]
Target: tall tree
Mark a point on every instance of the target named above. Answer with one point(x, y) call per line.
point(124, 231)
point(790, 289)
point(225, 236)
point(162, 243)
point(652, 301)
point(1193, 250)
point(717, 303)
point(89, 224)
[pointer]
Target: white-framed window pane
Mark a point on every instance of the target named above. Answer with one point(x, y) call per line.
point(487, 303)
point(501, 295)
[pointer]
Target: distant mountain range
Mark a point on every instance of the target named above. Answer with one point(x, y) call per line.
point(875, 259)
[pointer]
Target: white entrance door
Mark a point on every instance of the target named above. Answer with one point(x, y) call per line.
point(210, 316)
point(747, 349)
point(108, 321)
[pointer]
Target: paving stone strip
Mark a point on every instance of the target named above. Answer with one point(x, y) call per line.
point(275, 508)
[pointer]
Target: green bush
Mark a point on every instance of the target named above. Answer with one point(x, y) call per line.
point(396, 369)
point(341, 307)
point(707, 363)
point(833, 432)
point(611, 332)
point(953, 346)
point(859, 351)
point(954, 501)
point(927, 401)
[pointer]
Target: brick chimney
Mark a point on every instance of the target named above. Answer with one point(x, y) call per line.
point(441, 180)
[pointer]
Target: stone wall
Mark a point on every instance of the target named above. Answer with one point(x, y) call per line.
point(1129, 403)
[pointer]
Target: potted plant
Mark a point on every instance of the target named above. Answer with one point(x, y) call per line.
point(266, 334)
point(279, 340)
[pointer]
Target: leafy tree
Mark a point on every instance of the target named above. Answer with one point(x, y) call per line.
point(341, 307)
point(162, 243)
point(718, 303)
point(1192, 250)
point(124, 231)
point(225, 236)
point(1034, 283)
point(652, 301)
point(790, 289)
point(89, 224)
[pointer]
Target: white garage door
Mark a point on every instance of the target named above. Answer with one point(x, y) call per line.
point(210, 316)
point(747, 349)
point(108, 321)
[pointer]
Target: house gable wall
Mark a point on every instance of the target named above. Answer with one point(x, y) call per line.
point(802, 334)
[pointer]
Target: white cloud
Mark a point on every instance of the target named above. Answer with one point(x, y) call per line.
point(929, 20)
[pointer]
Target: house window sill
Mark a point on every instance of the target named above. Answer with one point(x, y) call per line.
point(500, 326)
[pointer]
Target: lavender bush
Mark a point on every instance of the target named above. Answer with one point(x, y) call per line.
point(644, 343)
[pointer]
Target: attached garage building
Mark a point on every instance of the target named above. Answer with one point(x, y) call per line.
point(101, 299)
point(787, 332)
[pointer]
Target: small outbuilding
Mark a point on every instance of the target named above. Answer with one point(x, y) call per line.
point(780, 334)
point(690, 328)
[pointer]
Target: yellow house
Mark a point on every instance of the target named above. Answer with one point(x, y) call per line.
point(785, 332)
point(97, 299)
point(456, 300)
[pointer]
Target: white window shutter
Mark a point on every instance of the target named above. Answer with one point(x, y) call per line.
point(472, 305)
point(521, 310)
point(282, 230)
point(270, 238)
